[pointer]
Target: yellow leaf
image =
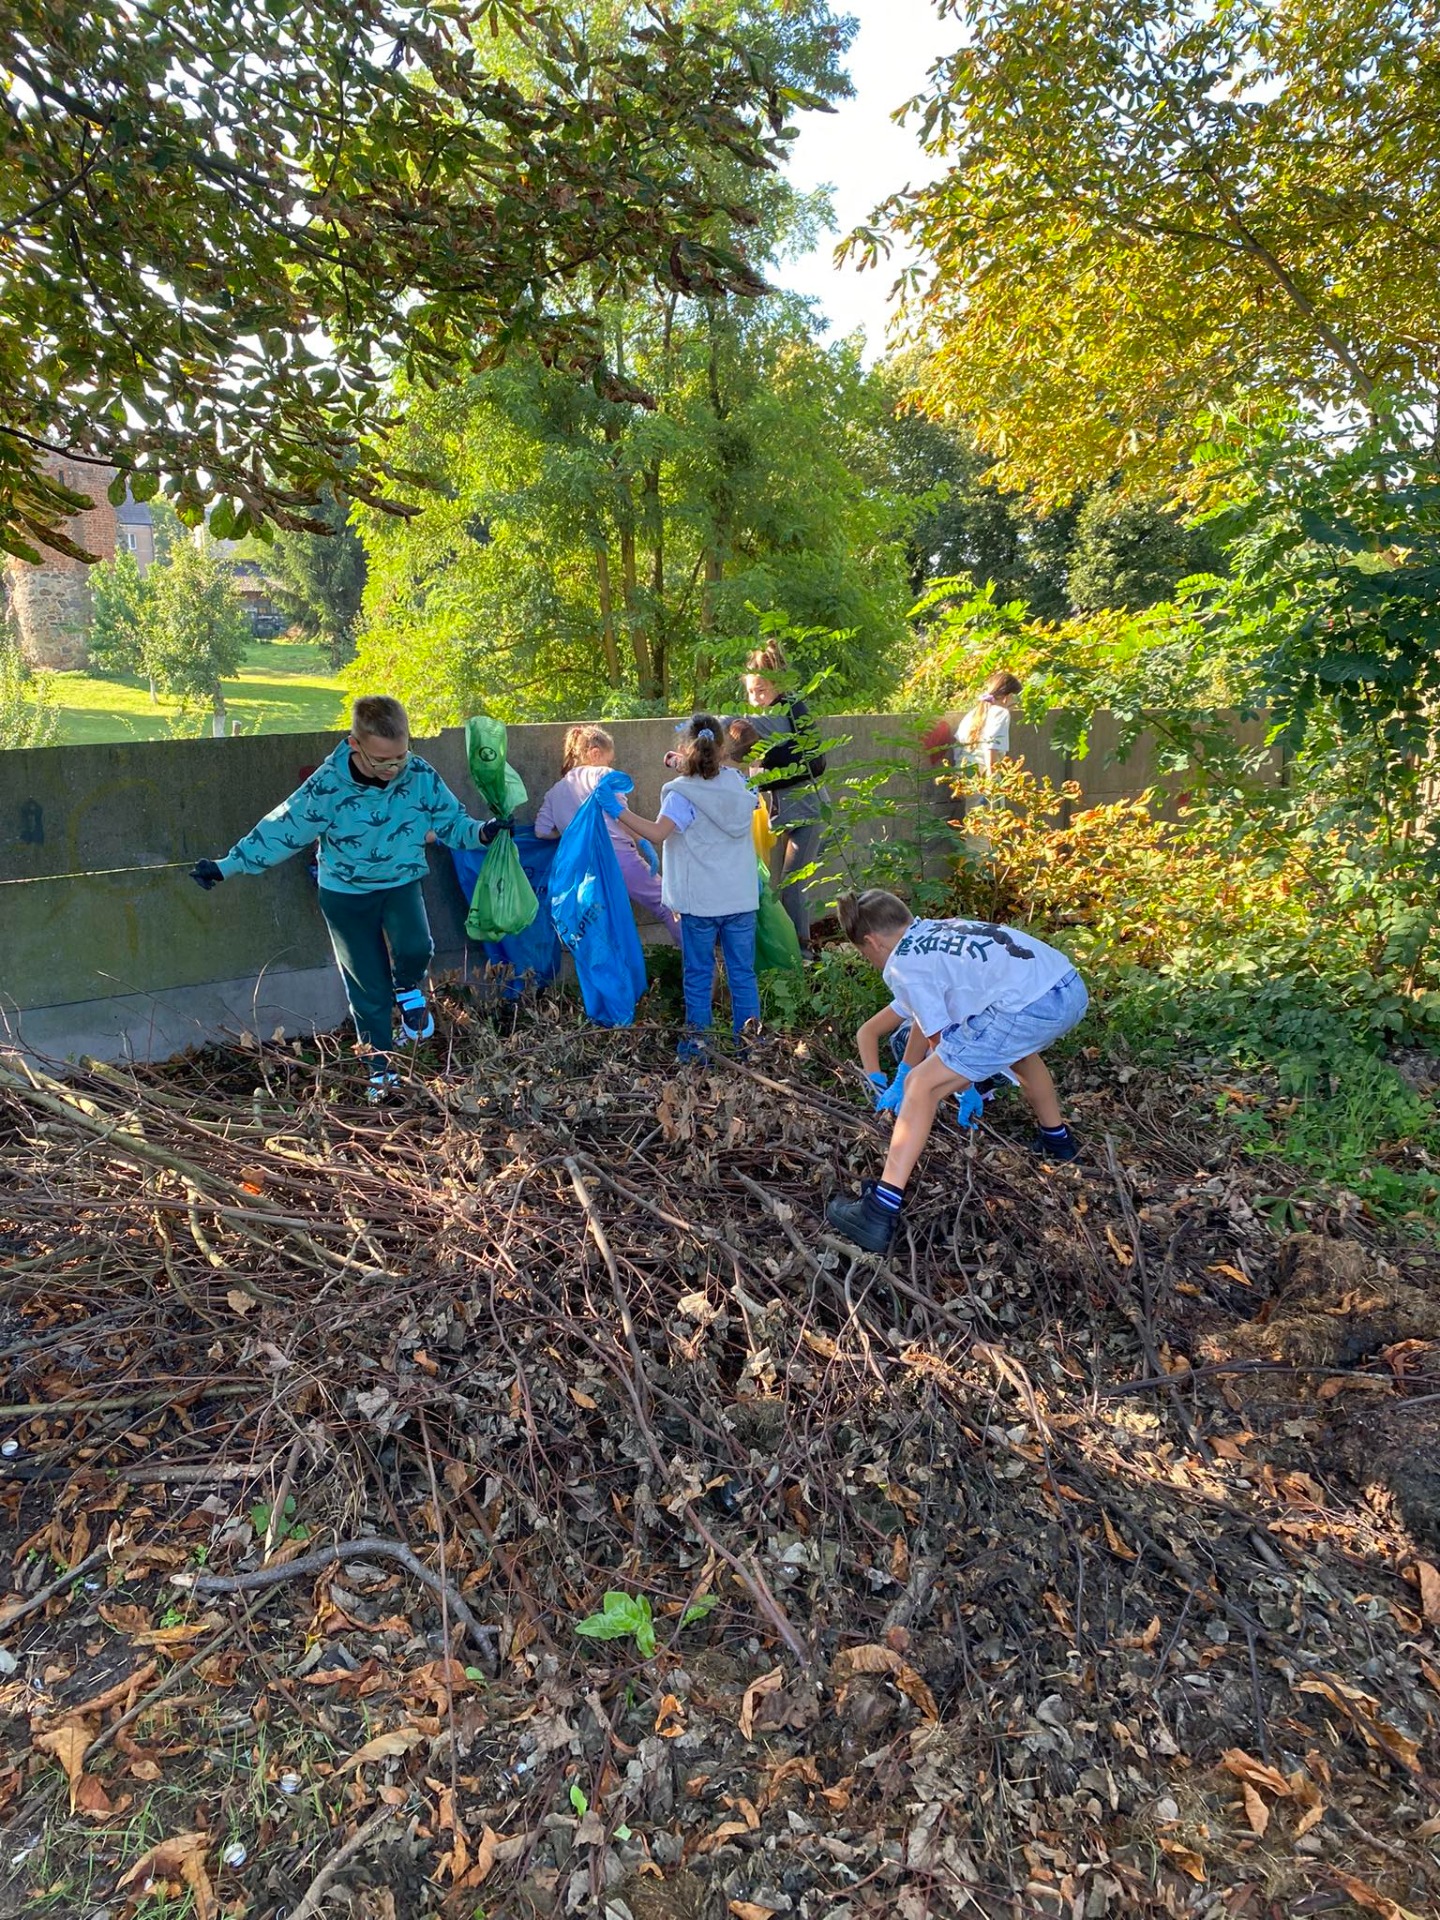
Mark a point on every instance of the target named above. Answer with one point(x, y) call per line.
point(1184, 1858)
point(916, 1691)
point(68, 1743)
point(1364, 1715)
point(1254, 1772)
point(485, 1853)
point(871, 1658)
point(1367, 1896)
point(1429, 1583)
point(1311, 1817)
point(751, 1910)
point(180, 1858)
point(670, 1719)
point(583, 1399)
point(756, 1691)
point(240, 1302)
point(1257, 1813)
point(1113, 1540)
point(385, 1746)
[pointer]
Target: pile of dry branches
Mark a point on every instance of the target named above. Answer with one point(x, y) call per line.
point(967, 1598)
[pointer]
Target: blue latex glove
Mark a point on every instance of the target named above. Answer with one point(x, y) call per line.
point(612, 792)
point(650, 855)
point(971, 1106)
point(880, 1081)
point(889, 1100)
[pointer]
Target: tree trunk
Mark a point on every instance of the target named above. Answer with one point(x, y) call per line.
point(607, 616)
point(654, 512)
point(639, 642)
point(217, 721)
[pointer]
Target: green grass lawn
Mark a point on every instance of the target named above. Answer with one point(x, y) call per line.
point(284, 687)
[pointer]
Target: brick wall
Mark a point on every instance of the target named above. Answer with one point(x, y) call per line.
point(51, 602)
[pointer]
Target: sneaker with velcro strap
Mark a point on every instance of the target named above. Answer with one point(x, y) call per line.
point(417, 1022)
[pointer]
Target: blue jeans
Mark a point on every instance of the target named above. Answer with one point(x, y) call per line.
point(735, 933)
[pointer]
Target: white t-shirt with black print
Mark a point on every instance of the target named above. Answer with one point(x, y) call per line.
point(943, 971)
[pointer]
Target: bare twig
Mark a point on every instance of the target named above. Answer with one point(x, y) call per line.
point(482, 1636)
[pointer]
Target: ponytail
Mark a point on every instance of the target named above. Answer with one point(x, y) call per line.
point(699, 748)
point(1000, 686)
point(583, 740)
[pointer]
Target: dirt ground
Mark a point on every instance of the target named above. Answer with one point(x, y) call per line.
point(1078, 1560)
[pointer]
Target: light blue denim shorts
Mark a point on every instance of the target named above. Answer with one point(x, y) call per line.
point(988, 1042)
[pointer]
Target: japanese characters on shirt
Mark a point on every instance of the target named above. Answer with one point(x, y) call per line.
point(946, 971)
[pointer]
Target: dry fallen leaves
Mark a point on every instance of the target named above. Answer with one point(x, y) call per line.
point(1183, 1858)
point(751, 1910)
point(873, 1658)
point(1428, 1581)
point(1370, 1898)
point(385, 1746)
point(756, 1691)
point(180, 1862)
point(1363, 1713)
point(670, 1719)
point(68, 1743)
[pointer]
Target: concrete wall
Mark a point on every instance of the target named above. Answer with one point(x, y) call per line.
point(106, 947)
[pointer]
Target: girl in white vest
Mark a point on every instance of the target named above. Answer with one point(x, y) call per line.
point(708, 876)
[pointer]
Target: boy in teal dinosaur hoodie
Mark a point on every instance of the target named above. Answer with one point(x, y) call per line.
point(374, 807)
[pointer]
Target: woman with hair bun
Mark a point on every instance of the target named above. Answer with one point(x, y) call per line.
point(793, 794)
point(708, 876)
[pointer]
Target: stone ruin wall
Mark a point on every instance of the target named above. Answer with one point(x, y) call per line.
point(51, 603)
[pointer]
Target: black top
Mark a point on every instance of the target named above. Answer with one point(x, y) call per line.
point(786, 754)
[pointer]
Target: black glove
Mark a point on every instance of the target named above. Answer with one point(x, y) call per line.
point(492, 829)
point(206, 874)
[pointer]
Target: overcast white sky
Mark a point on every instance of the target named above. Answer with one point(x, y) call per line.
point(863, 156)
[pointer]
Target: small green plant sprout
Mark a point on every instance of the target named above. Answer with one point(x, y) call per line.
point(578, 1800)
point(478, 1675)
point(622, 1614)
point(285, 1525)
point(700, 1608)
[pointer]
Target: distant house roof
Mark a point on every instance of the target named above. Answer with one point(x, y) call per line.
point(133, 513)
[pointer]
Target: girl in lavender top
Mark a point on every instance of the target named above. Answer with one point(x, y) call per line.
point(590, 753)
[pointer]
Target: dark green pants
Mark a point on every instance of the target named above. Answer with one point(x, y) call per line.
point(382, 945)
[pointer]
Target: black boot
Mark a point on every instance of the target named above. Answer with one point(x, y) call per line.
point(1057, 1147)
point(865, 1221)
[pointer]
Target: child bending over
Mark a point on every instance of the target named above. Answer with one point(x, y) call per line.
point(980, 999)
point(589, 755)
point(708, 876)
point(374, 807)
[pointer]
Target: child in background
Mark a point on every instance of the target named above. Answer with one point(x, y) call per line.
point(980, 998)
point(982, 736)
point(708, 876)
point(374, 807)
point(589, 754)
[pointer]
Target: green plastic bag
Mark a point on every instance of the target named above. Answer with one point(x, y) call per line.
point(485, 743)
point(777, 945)
point(503, 901)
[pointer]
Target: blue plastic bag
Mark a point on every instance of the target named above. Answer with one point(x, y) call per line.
point(591, 912)
point(534, 953)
